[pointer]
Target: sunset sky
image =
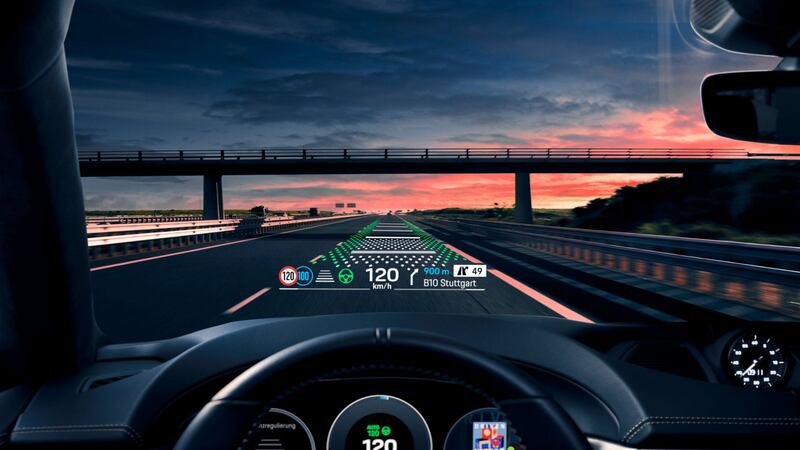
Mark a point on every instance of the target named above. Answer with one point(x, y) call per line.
point(201, 74)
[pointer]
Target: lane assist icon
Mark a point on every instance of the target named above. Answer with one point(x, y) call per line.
point(346, 276)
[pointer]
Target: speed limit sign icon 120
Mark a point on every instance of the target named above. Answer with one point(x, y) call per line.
point(288, 276)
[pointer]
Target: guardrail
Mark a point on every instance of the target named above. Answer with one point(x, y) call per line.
point(420, 153)
point(780, 256)
point(768, 288)
point(111, 240)
point(116, 228)
point(142, 219)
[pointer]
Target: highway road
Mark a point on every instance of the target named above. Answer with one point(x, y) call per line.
point(169, 293)
point(408, 263)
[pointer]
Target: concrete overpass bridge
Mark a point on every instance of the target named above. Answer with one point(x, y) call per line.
point(213, 164)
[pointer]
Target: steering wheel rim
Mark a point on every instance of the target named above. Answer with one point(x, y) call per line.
point(538, 420)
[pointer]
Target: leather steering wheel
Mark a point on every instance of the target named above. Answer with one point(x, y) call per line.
point(539, 422)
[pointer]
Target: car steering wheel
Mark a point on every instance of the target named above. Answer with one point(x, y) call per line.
point(538, 421)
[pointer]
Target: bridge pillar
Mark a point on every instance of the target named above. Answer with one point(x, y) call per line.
point(212, 197)
point(523, 212)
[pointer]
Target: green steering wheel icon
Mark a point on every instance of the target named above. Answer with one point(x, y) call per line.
point(346, 276)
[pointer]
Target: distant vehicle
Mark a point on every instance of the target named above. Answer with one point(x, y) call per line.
point(259, 211)
point(313, 212)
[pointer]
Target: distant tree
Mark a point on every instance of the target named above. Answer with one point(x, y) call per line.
point(751, 198)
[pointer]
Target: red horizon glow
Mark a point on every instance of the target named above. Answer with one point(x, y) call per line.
point(664, 128)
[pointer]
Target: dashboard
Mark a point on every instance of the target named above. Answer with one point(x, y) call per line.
point(670, 385)
point(756, 357)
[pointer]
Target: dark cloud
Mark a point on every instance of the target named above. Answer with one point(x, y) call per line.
point(381, 62)
point(96, 141)
point(348, 139)
point(488, 138)
point(152, 74)
point(241, 145)
point(577, 137)
point(100, 64)
point(87, 140)
point(134, 201)
point(150, 180)
point(325, 99)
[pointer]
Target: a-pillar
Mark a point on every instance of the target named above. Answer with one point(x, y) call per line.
point(212, 197)
point(522, 198)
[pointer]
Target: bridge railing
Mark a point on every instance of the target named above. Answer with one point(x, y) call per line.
point(275, 154)
point(768, 288)
point(109, 240)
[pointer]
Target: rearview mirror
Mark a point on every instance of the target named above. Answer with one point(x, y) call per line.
point(754, 106)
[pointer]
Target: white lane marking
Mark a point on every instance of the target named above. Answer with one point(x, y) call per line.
point(541, 298)
point(244, 302)
point(151, 258)
point(548, 302)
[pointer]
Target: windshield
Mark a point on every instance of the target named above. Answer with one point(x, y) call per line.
point(250, 159)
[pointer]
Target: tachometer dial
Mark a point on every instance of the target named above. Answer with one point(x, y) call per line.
point(756, 361)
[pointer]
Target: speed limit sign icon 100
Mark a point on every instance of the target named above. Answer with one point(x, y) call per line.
point(288, 276)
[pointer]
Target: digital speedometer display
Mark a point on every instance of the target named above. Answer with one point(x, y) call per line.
point(756, 361)
point(379, 432)
point(379, 422)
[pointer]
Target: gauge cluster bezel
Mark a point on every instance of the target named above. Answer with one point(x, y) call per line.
point(440, 403)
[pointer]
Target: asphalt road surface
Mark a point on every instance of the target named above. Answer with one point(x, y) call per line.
point(364, 264)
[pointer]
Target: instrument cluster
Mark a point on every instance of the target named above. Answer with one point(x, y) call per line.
point(382, 414)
